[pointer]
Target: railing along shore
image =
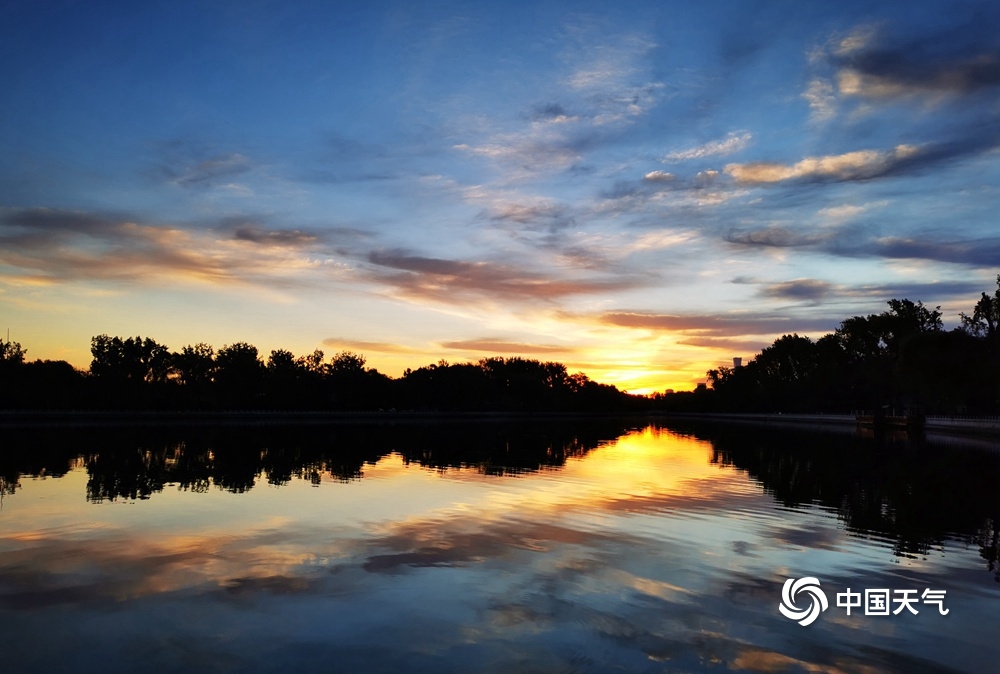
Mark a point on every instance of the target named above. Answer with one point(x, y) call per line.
point(956, 423)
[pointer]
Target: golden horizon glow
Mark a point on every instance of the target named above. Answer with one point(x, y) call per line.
point(627, 377)
point(639, 366)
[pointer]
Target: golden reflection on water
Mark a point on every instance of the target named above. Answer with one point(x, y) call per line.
point(643, 542)
point(176, 539)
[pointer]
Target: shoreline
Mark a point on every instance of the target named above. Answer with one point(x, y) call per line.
point(934, 426)
point(28, 418)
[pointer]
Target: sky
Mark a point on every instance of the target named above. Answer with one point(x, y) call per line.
point(641, 191)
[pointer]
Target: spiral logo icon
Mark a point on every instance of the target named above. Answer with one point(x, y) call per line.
point(817, 600)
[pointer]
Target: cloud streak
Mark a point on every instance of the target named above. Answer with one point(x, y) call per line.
point(367, 346)
point(731, 144)
point(777, 237)
point(798, 289)
point(715, 326)
point(978, 252)
point(51, 246)
point(492, 345)
point(280, 238)
point(212, 171)
point(857, 165)
point(855, 241)
point(460, 281)
point(816, 290)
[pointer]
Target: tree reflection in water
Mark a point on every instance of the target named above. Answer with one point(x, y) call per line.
point(914, 493)
point(909, 491)
point(137, 462)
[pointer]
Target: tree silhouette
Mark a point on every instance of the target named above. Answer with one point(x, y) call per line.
point(985, 319)
point(239, 374)
point(900, 358)
point(194, 365)
point(11, 353)
point(133, 359)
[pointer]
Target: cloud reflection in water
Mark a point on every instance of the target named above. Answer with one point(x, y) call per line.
point(642, 553)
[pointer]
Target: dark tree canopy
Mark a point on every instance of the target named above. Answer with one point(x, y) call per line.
point(132, 359)
point(900, 358)
point(11, 352)
point(985, 318)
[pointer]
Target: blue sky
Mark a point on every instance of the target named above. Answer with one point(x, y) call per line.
point(640, 191)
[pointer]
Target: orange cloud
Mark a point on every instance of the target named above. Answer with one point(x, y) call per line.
point(856, 165)
point(502, 346)
point(359, 345)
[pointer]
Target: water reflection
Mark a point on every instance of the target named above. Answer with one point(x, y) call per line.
point(910, 492)
point(485, 547)
point(137, 462)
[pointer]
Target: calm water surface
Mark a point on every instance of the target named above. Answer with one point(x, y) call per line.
point(484, 547)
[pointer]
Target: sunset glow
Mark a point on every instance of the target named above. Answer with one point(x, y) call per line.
point(640, 192)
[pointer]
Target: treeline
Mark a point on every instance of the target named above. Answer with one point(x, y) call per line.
point(899, 359)
point(136, 373)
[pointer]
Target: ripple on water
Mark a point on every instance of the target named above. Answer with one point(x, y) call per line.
point(649, 551)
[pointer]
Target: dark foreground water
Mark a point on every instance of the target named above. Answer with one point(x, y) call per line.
point(483, 547)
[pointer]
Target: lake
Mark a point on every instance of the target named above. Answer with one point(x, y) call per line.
point(487, 546)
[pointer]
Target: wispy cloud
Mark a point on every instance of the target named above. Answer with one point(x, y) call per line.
point(59, 246)
point(553, 113)
point(459, 281)
point(722, 343)
point(615, 79)
point(731, 144)
point(978, 252)
point(858, 40)
point(493, 345)
point(777, 236)
point(702, 325)
point(822, 99)
point(660, 192)
point(367, 346)
point(217, 169)
point(858, 242)
point(846, 212)
point(293, 238)
point(813, 290)
point(798, 289)
point(605, 88)
point(925, 291)
point(542, 215)
point(532, 150)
